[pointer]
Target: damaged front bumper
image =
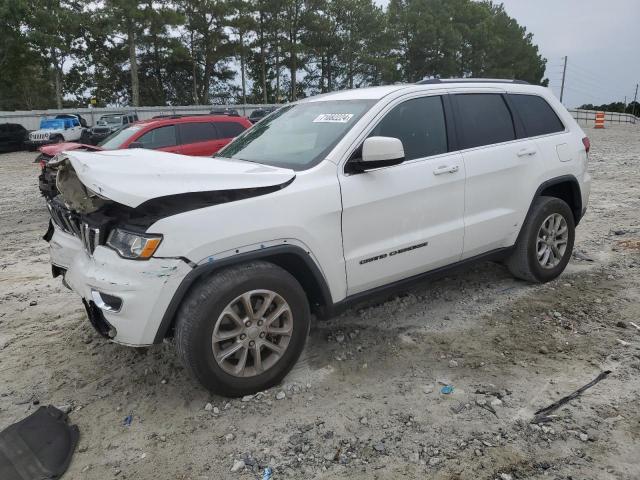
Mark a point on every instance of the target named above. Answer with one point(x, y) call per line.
point(125, 299)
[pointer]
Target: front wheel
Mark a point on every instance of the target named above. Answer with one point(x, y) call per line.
point(242, 329)
point(544, 246)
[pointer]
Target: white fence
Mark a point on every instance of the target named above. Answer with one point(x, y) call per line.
point(609, 117)
point(31, 119)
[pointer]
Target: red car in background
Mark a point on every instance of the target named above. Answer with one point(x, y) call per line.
point(197, 135)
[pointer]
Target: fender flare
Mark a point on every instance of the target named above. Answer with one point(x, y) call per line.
point(577, 212)
point(266, 254)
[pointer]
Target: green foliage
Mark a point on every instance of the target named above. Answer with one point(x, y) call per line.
point(632, 107)
point(141, 52)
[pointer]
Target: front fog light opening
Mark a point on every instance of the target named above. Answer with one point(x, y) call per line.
point(106, 302)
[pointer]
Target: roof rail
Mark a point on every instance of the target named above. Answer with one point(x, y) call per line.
point(432, 81)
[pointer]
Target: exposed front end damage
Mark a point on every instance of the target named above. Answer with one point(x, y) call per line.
point(125, 295)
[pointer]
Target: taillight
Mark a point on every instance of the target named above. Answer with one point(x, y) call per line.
point(586, 143)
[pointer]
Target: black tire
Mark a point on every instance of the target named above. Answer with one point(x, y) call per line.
point(200, 310)
point(523, 262)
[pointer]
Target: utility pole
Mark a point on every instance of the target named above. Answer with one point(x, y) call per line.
point(635, 101)
point(564, 74)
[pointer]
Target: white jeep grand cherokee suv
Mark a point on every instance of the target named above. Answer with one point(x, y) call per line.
point(326, 201)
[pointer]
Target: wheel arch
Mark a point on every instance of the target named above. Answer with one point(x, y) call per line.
point(566, 188)
point(295, 260)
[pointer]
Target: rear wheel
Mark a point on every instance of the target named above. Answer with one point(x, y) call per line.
point(241, 330)
point(545, 244)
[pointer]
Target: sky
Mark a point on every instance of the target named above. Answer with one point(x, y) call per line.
point(601, 39)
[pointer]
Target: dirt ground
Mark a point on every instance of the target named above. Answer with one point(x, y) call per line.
point(365, 400)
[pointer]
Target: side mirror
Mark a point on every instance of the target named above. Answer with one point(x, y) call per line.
point(379, 152)
point(136, 145)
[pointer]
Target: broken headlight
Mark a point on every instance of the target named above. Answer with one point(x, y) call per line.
point(137, 246)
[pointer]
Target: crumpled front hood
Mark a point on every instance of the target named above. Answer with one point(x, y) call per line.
point(132, 177)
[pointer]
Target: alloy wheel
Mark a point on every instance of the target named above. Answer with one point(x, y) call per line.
point(252, 333)
point(551, 242)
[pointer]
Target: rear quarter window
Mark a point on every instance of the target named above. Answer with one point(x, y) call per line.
point(230, 129)
point(197, 132)
point(536, 114)
point(483, 119)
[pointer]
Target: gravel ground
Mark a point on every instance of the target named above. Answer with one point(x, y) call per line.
point(364, 402)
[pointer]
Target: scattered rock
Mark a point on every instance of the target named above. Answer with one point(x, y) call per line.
point(433, 461)
point(379, 447)
point(622, 342)
point(583, 437)
point(543, 350)
point(208, 407)
point(216, 410)
point(496, 402)
point(229, 437)
point(453, 364)
point(340, 338)
point(33, 303)
point(65, 408)
point(281, 395)
point(237, 466)
point(505, 476)
point(621, 324)
point(364, 421)
point(428, 388)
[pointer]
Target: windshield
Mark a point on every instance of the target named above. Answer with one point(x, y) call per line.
point(297, 136)
point(117, 138)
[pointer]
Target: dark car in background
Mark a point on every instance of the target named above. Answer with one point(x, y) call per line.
point(108, 124)
point(230, 112)
point(259, 113)
point(12, 136)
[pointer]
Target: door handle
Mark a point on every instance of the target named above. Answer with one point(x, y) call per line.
point(527, 152)
point(446, 169)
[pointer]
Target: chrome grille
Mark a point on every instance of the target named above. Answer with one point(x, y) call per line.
point(39, 136)
point(90, 237)
point(64, 219)
point(70, 223)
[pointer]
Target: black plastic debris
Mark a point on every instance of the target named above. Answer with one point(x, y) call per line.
point(38, 447)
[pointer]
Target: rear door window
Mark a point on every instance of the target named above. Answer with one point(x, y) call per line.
point(230, 129)
point(419, 123)
point(159, 137)
point(483, 119)
point(536, 114)
point(197, 132)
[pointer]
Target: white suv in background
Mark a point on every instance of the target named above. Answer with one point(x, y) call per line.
point(326, 201)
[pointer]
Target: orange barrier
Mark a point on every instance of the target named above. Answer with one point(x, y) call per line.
point(599, 120)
